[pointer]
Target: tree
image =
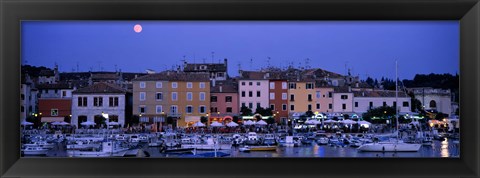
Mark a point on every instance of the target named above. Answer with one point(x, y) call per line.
point(346, 116)
point(383, 111)
point(235, 119)
point(203, 119)
point(270, 120)
point(245, 111)
point(264, 111)
point(309, 114)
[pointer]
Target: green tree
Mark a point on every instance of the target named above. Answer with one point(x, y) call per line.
point(245, 111)
point(382, 111)
point(270, 120)
point(309, 114)
point(235, 119)
point(264, 111)
point(204, 119)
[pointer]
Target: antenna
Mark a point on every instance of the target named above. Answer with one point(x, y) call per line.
point(115, 67)
point(268, 62)
point(307, 63)
point(251, 63)
point(213, 56)
point(77, 67)
point(346, 63)
point(239, 66)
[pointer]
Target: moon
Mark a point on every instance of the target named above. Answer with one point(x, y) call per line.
point(137, 28)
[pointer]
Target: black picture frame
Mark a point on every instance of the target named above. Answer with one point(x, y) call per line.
point(14, 11)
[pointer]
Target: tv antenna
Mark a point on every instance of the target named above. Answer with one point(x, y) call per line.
point(213, 56)
point(307, 63)
point(251, 63)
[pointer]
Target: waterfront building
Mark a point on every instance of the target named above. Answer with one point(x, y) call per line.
point(92, 102)
point(323, 99)
point(253, 90)
point(223, 101)
point(278, 96)
point(342, 100)
point(28, 97)
point(365, 100)
point(215, 71)
point(434, 99)
point(55, 102)
point(49, 76)
point(172, 97)
point(301, 96)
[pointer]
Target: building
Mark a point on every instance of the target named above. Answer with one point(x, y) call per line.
point(223, 101)
point(301, 95)
point(342, 100)
point(323, 100)
point(215, 71)
point(92, 102)
point(28, 98)
point(253, 90)
point(57, 90)
point(174, 98)
point(434, 99)
point(365, 100)
point(278, 96)
point(49, 76)
point(55, 102)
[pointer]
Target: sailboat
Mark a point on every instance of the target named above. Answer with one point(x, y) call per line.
point(392, 146)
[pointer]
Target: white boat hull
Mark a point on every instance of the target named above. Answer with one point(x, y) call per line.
point(90, 154)
point(389, 147)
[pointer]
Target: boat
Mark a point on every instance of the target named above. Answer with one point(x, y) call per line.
point(34, 150)
point(109, 149)
point(80, 145)
point(322, 141)
point(427, 141)
point(154, 142)
point(42, 144)
point(237, 139)
point(244, 149)
point(209, 144)
point(175, 150)
point(263, 148)
point(269, 139)
point(252, 138)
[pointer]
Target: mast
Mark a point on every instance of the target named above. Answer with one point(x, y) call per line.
point(396, 94)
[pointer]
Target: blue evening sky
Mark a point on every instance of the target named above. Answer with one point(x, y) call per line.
point(369, 48)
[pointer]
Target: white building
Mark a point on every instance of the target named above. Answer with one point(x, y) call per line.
point(89, 103)
point(28, 98)
point(365, 100)
point(216, 71)
point(434, 99)
point(253, 90)
point(342, 101)
point(55, 90)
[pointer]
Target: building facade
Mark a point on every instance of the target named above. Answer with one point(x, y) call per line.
point(301, 96)
point(278, 96)
point(323, 99)
point(434, 99)
point(215, 71)
point(28, 98)
point(223, 102)
point(342, 100)
point(92, 102)
point(365, 100)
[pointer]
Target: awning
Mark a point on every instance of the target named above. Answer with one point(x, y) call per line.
point(192, 118)
point(52, 119)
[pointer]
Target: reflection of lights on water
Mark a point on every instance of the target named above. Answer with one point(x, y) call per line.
point(444, 149)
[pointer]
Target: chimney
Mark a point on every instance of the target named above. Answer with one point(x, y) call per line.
point(220, 89)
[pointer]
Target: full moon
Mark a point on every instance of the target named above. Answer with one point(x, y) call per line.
point(137, 28)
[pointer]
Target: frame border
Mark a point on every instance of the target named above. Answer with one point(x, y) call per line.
point(13, 11)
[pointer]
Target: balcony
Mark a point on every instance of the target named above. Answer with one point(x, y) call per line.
point(174, 114)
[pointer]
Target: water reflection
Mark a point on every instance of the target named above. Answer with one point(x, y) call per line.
point(445, 149)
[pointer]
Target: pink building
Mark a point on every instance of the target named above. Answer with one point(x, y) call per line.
point(223, 101)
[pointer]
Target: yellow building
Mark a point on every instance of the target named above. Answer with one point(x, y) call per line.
point(301, 96)
point(172, 98)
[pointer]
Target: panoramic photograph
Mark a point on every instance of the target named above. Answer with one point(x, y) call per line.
point(240, 89)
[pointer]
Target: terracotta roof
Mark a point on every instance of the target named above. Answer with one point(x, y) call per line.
point(253, 75)
point(227, 87)
point(174, 76)
point(105, 76)
point(379, 93)
point(55, 86)
point(343, 89)
point(100, 87)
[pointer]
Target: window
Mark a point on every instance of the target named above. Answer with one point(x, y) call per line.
point(395, 104)
point(189, 85)
point(433, 104)
point(250, 105)
point(98, 101)
point(189, 109)
point(113, 101)
point(54, 112)
point(250, 83)
point(213, 98)
point(158, 109)
point(309, 97)
point(213, 109)
point(258, 105)
point(344, 106)
point(202, 96)
point(142, 96)
point(220, 74)
point(189, 96)
point(174, 96)
point(272, 85)
point(243, 105)
point(82, 101)
point(258, 83)
point(384, 104)
point(46, 91)
point(258, 93)
point(229, 109)
point(284, 85)
point(356, 104)
point(250, 94)
point(64, 93)
point(318, 106)
point(243, 93)
point(309, 107)
point(292, 85)
point(284, 96)
point(142, 84)
point(174, 84)
point(22, 109)
point(228, 99)
point(272, 96)
point(243, 83)
point(370, 104)
point(292, 97)
point(284, 107)
point(272, 107)
point(405, 104)
point(22, 96)
point(56, 91)
point(330, 106)
point(174, 109)
point(309, 86)
point(318, 94)
point(202, 85)
point(329, 94)
point(344, 97)
point(159, 96)
point(292, 107)
point(158, 84)
point(142, 109)
point(202, 109)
